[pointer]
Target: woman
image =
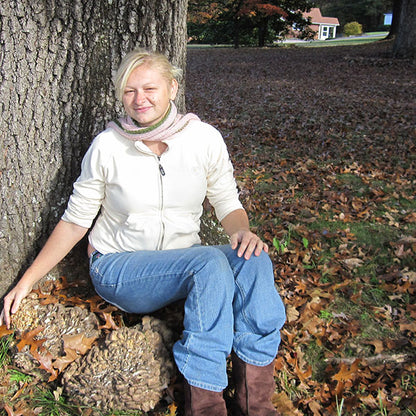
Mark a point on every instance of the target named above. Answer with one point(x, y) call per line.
point(147, 176)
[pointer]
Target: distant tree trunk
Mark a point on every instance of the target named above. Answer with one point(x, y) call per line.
point(397, 6)
point(263, 32)
point(56, 64)
point(405, 41)
point(236, 33)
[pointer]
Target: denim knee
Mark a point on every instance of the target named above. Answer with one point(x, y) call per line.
point(211, 286)
point(214, 265)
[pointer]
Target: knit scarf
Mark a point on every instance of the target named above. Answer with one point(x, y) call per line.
point(165, 129)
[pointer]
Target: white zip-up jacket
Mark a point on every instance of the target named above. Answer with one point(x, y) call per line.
point(148, 202)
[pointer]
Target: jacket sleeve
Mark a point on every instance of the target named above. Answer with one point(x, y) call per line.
point(89, 188)
point(221, 186)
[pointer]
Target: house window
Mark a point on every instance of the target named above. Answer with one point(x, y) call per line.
point(327, 32)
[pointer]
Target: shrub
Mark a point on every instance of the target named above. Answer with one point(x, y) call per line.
point(353, 28)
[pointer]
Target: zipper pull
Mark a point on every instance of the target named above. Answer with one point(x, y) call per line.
point(162, 171)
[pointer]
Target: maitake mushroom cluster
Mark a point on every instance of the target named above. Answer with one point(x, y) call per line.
point(129, 370)
point(58, 321)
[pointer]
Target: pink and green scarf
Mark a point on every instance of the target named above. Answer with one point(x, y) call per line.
point(171, 124)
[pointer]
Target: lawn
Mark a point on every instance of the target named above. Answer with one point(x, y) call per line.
point(342, 40)
point(323, 141)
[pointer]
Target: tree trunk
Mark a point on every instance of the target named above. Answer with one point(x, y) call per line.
point(263, 32)
point(397, 6)
point(405, 42)
point(236, 33)
point(56, 63)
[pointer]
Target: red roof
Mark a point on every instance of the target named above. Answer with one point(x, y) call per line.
point(317, 18)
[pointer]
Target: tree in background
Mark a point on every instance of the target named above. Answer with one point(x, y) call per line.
point(244, 21)
point(56, 64)
point(202, 18)
point(405, 40)
point(260, 15)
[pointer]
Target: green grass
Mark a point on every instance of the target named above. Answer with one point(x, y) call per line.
point(370, 326)
point(346, 41)
point(17, 376)
point(4, 350)
point(340, 405)
point(52, 404)
point(315, 355)
point(340, 41)
point(374, 235)
point(291, 388)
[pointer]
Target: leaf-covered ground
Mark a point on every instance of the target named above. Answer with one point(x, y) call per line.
point(324, 147)
point(323, 141)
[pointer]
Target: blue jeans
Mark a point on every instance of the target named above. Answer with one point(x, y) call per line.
point(230, 303)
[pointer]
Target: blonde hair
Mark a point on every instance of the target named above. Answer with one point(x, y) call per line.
point(139, 57)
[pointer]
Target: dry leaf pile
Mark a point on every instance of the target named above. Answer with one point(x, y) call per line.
point(323, 143)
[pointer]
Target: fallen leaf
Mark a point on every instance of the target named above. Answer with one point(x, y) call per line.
point(4, 331)
point(353, 263)
point(79, 343)
point(411, 326)
point(28, 338)
point(346, 372)
point(62, 362)
point(378, 345)
point(172, 409)
point(292, 313)
point(11, 412)
point(45, 360)
point(315, 407)
point(284, 405)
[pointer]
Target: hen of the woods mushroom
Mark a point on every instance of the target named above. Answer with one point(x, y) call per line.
point(128, 369)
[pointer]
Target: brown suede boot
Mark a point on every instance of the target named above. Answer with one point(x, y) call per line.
point(254, 387)
point(201, 402)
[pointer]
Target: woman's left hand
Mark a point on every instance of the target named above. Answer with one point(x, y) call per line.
point(247, 243)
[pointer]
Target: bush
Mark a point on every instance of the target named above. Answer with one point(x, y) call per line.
point(353, 29)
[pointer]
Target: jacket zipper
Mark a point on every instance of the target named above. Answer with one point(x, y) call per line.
point(162, 234)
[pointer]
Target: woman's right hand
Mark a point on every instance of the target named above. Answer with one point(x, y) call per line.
point(12, 302)
point(63, 238)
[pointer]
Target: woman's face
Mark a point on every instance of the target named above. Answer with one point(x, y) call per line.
point(147, 95)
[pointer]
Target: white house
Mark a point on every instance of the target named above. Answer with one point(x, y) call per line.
point(325, 27)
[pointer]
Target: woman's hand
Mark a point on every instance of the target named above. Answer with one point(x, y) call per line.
point(63, 238)
point(12, 302)
point(247, 243)
point(236, 225)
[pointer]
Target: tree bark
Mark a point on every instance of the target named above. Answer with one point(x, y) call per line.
point(405, 41)
point(57, 58)
point(397, 6)
point(263, 31)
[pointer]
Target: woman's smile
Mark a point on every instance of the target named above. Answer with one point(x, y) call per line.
point(147, 95)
